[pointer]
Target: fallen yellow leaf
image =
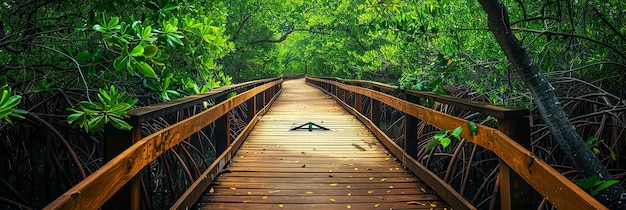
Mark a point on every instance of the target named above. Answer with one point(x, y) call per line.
point(370, 191)
point(309, 192)
point(246, 201)
point(249, 193)
point(376, 205)
point(387, 158)
point(356, 169)
point(296, 161)
point(348, 207)
point(371, 178)
point(233, 188)
point(383, 179)
point(280, 205)
point(211, 190)
point(273, 191)
point(348, 186)
point(390, 187)
point(333, 184)
point(433, 205)
point(332, 200)
point(264, 197)
point(349, 194)
point(241, 156)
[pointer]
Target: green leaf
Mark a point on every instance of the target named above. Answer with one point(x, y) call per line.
point(457, 132)
point(146, 33)
point(432, 144)
point(440, 134)
point(73, 117)
point(96, 123)
point(603, 185)
point(173, 40)
point(10, 103)
point(99, 28)
point(445, 142)
point(165, 96)
point(121, 62)
point(472, 127)
point(145, 69)
point(113, 23)
point(591, 140)
point(119, 123)
point(150, 51)
point(137, 51)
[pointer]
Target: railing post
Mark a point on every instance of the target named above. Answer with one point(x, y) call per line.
point(251, 105)
point(222, 129)
point(115, 142)
point(515, 193)
point(375, 109)
point(358, 102)
point(410, 129)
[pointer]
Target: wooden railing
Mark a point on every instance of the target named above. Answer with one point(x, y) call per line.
point(510, 142)
point(128, 152)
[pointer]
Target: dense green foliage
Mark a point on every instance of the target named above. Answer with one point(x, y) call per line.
point(78, 65)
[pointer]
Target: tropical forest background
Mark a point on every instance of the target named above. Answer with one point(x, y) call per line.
point(71, 68)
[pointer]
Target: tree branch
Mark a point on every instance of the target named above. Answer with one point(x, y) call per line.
point(284, 37)
point(548, 105)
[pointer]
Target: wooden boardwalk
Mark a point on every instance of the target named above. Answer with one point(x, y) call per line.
point(343, 168)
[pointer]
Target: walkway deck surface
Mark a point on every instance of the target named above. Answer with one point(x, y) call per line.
point(344, 168)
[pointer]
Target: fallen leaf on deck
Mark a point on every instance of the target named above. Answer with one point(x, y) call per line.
point(332, 200)
point(233, 188)
point(333, 184)
point(280, 205)
point(414, 203)
point(264, 197)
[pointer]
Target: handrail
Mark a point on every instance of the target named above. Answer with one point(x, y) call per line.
point(96, 189)
point(556, 188)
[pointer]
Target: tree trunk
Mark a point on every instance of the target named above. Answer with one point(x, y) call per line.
point(570, 142)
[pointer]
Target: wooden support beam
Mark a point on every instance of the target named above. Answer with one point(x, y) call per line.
point(222, 129)
point(358, 103)
point(410, 130)
point(115, 142)
point(515, 193)
point(375, 109)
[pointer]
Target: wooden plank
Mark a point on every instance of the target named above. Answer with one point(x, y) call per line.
point(343, 191)
point(93, 191)
point(286, 165)
point(189, 197)
point(443, 189)
point(281, 206)
point(536, 172)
